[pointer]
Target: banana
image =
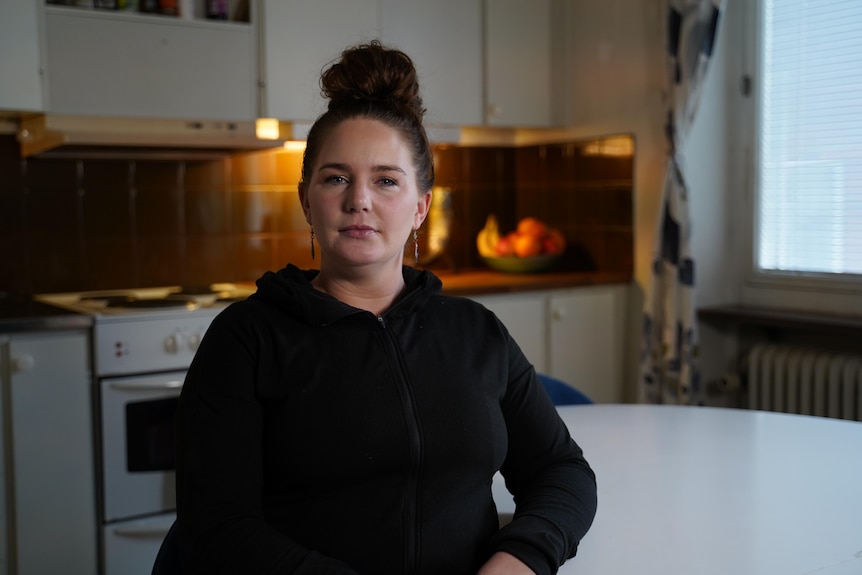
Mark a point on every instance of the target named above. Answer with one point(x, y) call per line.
point(486, 241)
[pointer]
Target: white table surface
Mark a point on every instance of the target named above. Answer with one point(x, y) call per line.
point(702, 491)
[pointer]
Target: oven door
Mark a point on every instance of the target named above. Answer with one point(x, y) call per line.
point(138, 476)
point(131, 546)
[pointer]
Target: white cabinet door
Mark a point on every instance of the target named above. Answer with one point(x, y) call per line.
point(117, 64)
point(518, 62)
point(20, 79)
point(524, 315)
point(444, 40)
point(299, 39)
point(586, 341)
point(47, 423)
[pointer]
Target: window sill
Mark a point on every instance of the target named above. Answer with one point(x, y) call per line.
point(784, 319)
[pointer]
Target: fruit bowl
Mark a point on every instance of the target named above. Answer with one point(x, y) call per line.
point(526, 265)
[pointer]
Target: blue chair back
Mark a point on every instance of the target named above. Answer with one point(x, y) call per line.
point(563, 393)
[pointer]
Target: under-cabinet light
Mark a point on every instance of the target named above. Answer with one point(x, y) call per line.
point(267, 128)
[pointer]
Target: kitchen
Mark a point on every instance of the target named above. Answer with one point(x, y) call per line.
point(616, 80)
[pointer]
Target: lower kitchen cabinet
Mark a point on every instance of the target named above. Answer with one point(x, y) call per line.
point(576, 335)
point(48, 508)
point(586, 339)
point(525, 316)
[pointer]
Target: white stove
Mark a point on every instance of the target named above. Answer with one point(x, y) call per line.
point(143, 342)
point(148, 329)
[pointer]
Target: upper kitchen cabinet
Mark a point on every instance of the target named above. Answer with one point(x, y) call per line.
point(443, 37)
point(444, 40)
point(523, 45)
point(299, 38)
point(20, 79)
point(480, 62)
point(116, 63)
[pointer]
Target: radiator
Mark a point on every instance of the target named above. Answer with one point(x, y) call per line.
point(802, 380)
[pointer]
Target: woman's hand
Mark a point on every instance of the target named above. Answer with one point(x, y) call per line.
point(502, 563)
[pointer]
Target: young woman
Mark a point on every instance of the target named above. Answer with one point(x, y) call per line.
point(350, 420)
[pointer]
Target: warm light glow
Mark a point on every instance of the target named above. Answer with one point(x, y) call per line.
point(267, 128)
point(295, 145)
point(620, 146)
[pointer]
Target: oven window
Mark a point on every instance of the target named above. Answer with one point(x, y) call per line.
point(150, 434)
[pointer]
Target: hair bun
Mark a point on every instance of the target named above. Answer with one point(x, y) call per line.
point(373, 73)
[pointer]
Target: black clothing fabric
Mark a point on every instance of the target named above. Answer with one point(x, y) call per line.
point(315, 437)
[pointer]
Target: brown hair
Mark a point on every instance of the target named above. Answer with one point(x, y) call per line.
point(375, 82)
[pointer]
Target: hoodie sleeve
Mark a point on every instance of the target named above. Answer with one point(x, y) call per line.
point(552, 484)
point(220, 468)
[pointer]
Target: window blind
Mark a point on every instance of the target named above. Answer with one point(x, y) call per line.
point(809, 181)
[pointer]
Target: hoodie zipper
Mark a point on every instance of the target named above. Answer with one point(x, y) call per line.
point(411, 491)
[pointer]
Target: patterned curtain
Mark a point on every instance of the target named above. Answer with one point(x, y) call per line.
point(669, 354)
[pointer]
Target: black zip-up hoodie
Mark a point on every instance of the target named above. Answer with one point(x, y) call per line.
point(317, 438)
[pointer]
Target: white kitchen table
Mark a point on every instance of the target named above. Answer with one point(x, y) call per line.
point(702, 491)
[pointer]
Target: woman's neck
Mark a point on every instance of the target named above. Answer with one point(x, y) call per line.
point(374, 293)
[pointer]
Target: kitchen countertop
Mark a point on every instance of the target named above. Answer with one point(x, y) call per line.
point(482, 282)
point(23, 314)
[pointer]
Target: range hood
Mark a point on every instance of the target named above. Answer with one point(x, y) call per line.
point(92, 136)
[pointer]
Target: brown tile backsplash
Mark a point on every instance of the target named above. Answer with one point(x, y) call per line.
point(80, 224)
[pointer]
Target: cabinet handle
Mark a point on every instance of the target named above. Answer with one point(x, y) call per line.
point(145, 531)
point(23, 363)
point(558, 313)
point(146, 386)
point(495, 110)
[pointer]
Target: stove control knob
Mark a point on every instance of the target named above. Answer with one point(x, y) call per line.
point(194, 341)
point(172, 344)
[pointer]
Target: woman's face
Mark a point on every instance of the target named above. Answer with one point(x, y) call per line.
point(362, 198)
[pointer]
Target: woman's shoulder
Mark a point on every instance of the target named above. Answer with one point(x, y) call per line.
point(247, 313)
point(462, 307)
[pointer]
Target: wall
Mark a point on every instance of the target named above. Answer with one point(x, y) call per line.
point(719, 160)
point(618, 85)
point(718, 204)
point(83, 223)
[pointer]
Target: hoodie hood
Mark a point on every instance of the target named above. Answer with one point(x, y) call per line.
point(290, 290)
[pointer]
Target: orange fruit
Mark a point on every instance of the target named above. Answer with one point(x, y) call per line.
point(527, 245)
point(531, 226)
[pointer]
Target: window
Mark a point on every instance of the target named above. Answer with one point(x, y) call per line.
point(808, 107)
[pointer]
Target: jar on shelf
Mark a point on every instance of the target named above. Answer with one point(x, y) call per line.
point(216, 10)
point(148, 6)
point(169, 7)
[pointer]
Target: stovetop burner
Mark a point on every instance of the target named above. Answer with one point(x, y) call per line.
point(171, 299)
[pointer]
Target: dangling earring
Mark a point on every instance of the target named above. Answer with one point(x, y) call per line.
point(416, 246)
point(312, 242)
